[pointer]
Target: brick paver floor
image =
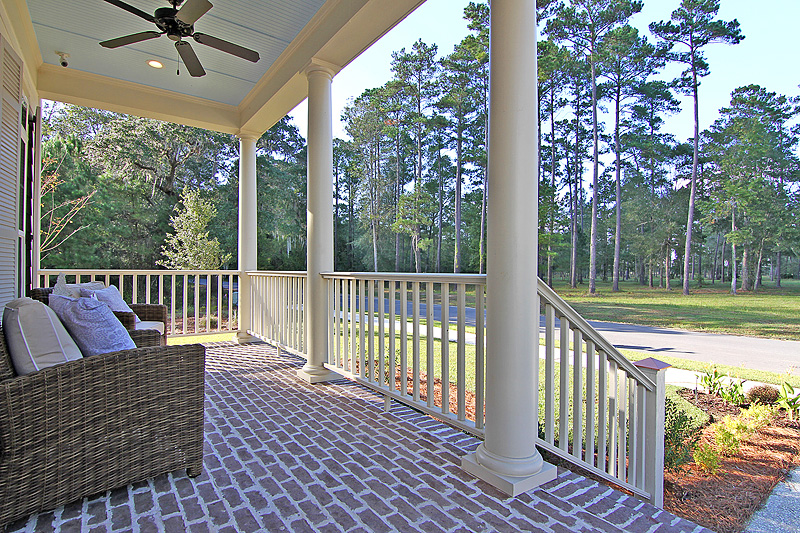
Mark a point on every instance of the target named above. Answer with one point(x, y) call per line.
point(282, 455)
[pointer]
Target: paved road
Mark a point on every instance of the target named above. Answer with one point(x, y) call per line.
point(749, 352)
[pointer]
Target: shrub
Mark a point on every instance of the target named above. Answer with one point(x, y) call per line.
point(681, 429)
point(707, 458)
point(758, 415)
point(680, 436)
point(763, 394)
point(729, 432)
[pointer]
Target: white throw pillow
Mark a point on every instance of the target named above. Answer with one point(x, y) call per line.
point(73, 290)
point(35, 336)
point(110, 296)
point(92, 324)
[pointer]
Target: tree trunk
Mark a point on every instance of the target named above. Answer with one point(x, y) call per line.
point(714, 262)
point(778, 271)
point(692, 193)
point(441, 209)
point(398, 192)
point(733, 252)
point(552, 183)
point(618, 170)
point(595, 178)
point(757, 282)
point(746, 286)
point(667, 258)
point(459, 147)
point(485, 192)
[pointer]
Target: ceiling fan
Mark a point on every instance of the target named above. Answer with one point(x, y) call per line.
point(176, 24)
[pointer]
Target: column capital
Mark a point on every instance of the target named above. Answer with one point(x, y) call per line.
point(248, 136)
point(322, 66)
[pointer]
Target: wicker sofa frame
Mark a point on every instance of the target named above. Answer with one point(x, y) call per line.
point(148, 312)
point(98, 423)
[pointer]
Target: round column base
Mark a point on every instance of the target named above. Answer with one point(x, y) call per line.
point(317, 374)
point(533, 471)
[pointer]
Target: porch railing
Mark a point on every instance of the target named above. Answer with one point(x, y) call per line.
point(420, 339)
point(198, 301)
point(276, 308)
point(409, 337)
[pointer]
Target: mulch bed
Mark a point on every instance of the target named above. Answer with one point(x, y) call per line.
point(725, 502)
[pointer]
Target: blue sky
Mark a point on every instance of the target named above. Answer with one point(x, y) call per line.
point(767, 56)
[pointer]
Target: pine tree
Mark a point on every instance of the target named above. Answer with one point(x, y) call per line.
point(692, 25)
point(189, 247)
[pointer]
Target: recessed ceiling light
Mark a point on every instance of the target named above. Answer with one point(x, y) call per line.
point(155, 64)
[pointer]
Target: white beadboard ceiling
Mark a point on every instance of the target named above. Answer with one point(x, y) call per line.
point(76, 27)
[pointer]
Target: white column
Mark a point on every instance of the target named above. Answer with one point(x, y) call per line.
point(248, 228)
point(508, 458)
point(319, 220)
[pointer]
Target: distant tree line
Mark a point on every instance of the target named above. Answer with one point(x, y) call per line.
point(619, 197)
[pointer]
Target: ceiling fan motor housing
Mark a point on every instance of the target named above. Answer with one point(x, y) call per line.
point(174, 28)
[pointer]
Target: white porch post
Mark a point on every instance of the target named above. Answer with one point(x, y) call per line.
point(248, 227)
point(508, 458)
point(319, 216)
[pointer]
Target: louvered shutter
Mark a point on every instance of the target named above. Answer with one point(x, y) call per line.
point(10, 108)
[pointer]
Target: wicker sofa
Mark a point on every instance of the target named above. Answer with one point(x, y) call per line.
point(98, 423)
point(145, 312)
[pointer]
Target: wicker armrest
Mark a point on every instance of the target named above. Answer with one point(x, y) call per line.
point(98, 423)
point(144, 338)
point(150, 312)
point(128, 319)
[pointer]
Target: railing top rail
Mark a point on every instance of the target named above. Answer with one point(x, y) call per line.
point(280, 273)
point(469, 279)
point(564, 309)
point(127, 271)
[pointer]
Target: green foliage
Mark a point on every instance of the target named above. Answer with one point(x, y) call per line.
point(787, 399)
point(189, 247)
point(727, 437)
point(758, 416)
point(763, 394)
point(707, 458)
point(733, 393)
point(681, 433)
point(711, 380)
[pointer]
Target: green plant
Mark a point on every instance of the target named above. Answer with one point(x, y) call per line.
point(726, 438)
point(711, 380)
point(763, 394)
point(788, 400)
point(680, 436)
point(758, 415)
point(734, 392)
point(707, 458)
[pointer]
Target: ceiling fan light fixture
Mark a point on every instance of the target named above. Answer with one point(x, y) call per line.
point(155, 63)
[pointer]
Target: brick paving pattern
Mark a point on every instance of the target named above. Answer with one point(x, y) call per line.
point(281, 455)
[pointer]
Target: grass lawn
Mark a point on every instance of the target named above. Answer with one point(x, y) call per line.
point(772, 313)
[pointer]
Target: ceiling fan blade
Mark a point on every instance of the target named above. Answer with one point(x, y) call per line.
point(130, 9)
point(193, 10)
point(225, 46)
point(190, 59)
point(130, 39)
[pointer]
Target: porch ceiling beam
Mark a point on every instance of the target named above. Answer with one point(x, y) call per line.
point(338, 33)
point(86, 89)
